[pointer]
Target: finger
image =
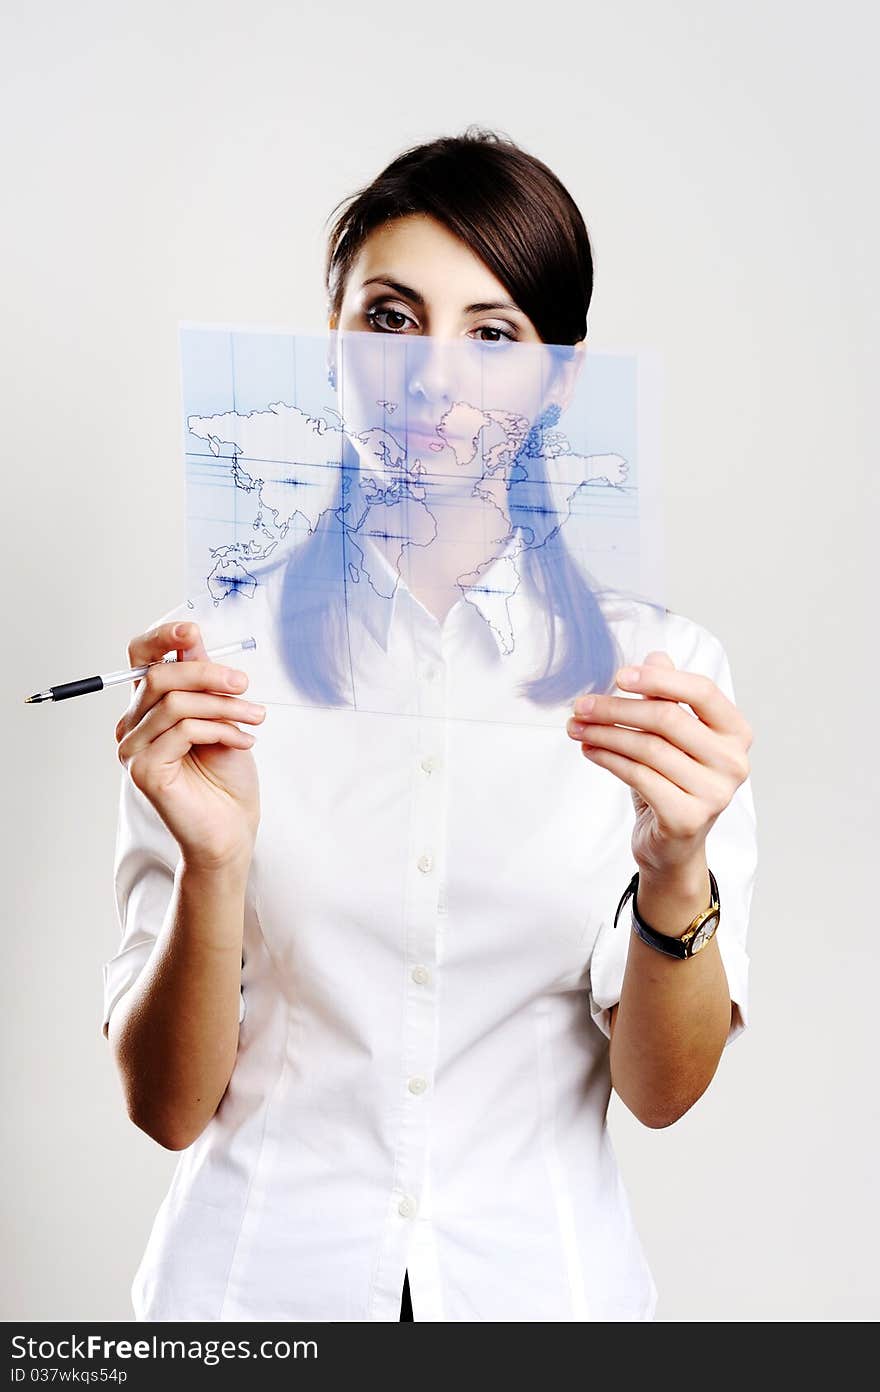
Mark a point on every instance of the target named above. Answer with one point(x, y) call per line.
point(191, 636)
point(186, 675)
point(708, 703)
point(147, 647)
point(193, 674)
point(665, 719)
point(179, 705)
point(658, 658)
point(182, 637)
point(677, 813)
point(149, 767)
point(154, 644)
point(657, 754)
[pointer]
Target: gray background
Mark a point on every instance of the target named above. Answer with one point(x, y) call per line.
point(177, 161)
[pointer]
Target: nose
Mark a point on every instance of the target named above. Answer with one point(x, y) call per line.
point(429, 370)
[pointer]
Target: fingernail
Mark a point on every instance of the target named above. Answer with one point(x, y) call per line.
point(584, 704)
point(181, 630)
point(628, 676)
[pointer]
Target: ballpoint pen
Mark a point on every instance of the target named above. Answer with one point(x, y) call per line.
point(85, 684)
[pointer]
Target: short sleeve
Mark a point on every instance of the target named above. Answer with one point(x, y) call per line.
point(144, 867)
point(731, 853)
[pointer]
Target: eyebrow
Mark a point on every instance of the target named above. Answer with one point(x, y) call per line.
point(408, 293)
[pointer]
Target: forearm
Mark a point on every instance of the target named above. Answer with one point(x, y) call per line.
point(175, 1032)
point(673, 1018)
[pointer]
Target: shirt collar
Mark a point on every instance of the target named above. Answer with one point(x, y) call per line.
point(369, 597)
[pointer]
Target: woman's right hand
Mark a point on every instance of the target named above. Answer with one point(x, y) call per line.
point(184, 751)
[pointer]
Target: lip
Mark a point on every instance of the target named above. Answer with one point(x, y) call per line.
point(426, 440)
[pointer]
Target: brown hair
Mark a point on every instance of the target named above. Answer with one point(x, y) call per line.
point(506, 205)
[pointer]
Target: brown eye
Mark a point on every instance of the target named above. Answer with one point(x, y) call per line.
point(372, 318)
point(504, 338)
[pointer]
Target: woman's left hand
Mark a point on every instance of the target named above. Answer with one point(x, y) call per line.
point(682, 766)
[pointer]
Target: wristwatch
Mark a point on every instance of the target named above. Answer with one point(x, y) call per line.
point(695, 936)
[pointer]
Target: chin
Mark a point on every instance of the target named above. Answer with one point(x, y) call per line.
point(426, 444)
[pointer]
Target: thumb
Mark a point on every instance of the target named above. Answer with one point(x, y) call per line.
point(191, 644)
point(659, 659)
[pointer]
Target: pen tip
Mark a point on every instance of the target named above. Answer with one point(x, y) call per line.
point(28, 699)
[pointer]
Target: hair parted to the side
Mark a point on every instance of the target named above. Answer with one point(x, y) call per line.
point(513, 212)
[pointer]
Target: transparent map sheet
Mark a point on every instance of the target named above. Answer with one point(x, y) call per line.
point(373, 507)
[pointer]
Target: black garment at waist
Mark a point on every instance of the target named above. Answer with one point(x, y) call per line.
point(406, 1311)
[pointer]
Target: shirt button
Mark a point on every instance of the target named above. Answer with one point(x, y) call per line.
point(425, 863)
point(429, 763)
point(407, 1206)
point(417, 1085)
point(421, 975)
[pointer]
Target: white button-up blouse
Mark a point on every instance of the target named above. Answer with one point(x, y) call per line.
point(429, 962)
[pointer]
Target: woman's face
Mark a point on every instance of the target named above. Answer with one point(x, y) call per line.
point(426, 380)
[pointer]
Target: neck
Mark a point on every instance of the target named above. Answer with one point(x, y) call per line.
point(469, 534)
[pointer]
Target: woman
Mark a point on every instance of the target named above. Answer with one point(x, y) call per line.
point(376, 980)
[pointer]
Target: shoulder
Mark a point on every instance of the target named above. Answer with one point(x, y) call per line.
point(692, 645)
point(640, 627)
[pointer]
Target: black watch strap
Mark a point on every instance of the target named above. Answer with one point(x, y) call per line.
point(692, 940)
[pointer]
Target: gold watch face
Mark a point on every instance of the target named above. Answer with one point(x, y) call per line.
point(705, 933)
